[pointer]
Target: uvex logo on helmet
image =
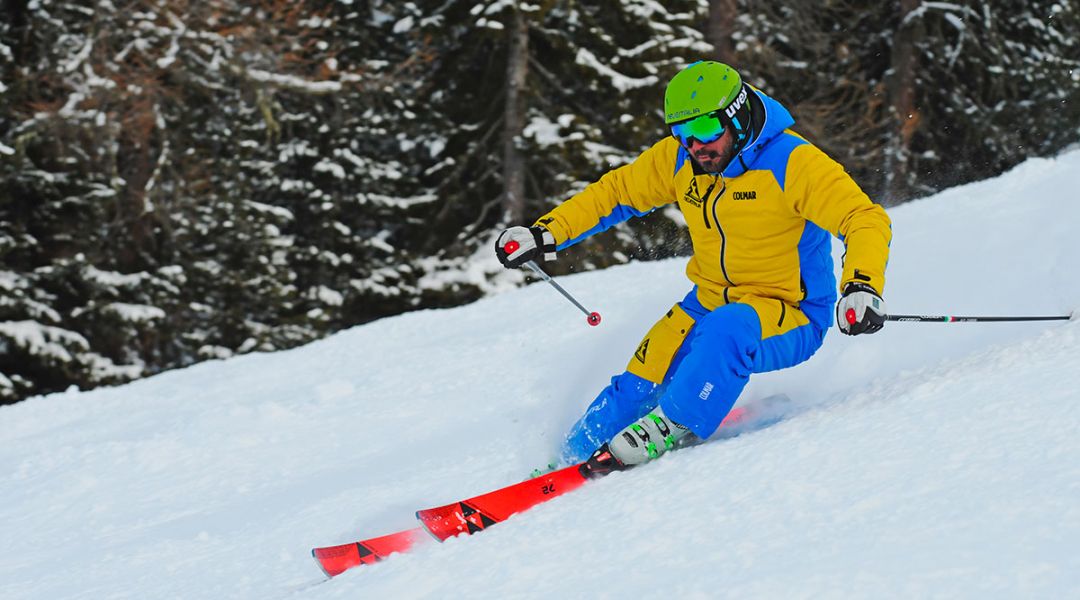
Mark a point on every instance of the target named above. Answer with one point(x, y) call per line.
point(737, 104)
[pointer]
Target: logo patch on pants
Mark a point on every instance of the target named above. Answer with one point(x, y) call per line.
point(705, 391)
point(657, 348)
point(642, 351)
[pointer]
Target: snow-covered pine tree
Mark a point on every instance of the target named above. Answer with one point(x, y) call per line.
point(825, 62)
point(916, 96)
point(982, 71)
point(183, 182)
point(68, 211)
point(538, 99)
point(359, 226)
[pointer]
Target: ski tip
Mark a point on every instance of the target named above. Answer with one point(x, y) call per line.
point(315, 555)
point(443, 522)
point(335, 560)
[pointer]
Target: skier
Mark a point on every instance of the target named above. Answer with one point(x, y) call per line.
point(759, 201)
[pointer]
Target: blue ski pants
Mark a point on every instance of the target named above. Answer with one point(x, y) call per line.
point(694, 363)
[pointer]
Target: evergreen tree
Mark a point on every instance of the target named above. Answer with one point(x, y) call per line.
point(65, 207)
point(983, 72)
point(538, 100)
point(912, 97)
point(828, 71)
point(184, 182)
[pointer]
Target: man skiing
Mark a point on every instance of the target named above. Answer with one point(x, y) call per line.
point(760, 202)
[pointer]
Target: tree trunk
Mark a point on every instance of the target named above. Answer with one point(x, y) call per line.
point(720, 28)
point(902, 90)
point(135, 164)
point(517, 70)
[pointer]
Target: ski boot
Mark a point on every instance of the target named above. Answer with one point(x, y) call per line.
point(643, 440)
point(647, 438)
point(551, 466)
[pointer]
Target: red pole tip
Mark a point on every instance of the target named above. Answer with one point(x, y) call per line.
point(594, 319)
point(511, 247)
point(850, 316)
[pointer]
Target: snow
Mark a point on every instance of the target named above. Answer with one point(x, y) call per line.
point(331, 167)
point(404, 25)
point(928, 460)
point(436, 146)
point(78, 59)
point(11, 281)
point(327, 295)
point(619, 81)
point(293, 83)
point(42, 340)
point(170, 55)
point(136, 313)
point(398, 201)
point(112, 278)
point(546, 131)
point(543, 130)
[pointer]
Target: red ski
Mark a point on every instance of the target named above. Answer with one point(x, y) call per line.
point(467, 516)
point(335, 560)
point(480, 512)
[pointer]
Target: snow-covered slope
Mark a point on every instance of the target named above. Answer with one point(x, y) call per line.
point(926, 460)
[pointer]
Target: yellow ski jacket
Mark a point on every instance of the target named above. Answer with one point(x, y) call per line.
point(758, 229)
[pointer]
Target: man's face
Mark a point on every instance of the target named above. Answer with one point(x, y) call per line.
point(715, 155)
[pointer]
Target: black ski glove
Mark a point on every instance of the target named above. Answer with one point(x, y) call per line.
point(526, 243)
point(860, 310)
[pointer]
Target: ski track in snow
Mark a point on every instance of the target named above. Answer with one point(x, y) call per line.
point(926, 460)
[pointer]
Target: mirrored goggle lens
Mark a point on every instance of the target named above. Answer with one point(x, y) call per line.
point(705, 129)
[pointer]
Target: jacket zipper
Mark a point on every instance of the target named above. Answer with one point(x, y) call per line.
point(705, 202)
point(719, 229)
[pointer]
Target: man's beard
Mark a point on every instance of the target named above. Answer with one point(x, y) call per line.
point(712, 161)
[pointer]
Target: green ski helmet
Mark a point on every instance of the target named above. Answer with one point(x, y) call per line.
point(705, 99)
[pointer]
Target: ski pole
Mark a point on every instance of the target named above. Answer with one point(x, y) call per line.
point(951, 319)
point(593, 318)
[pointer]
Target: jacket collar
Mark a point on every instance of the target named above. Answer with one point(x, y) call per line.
point(776, 119)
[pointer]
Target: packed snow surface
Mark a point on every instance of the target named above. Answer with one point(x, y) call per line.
point(928, 460)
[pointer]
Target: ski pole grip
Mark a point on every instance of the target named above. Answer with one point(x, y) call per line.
point(850, 316)
point(511, 247)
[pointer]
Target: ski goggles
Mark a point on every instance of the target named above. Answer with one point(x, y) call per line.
point(705, 129)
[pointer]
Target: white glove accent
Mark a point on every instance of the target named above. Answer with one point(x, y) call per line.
point(531, 243)
point(861, 310)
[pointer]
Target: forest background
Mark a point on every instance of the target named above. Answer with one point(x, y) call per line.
point(183, 181)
